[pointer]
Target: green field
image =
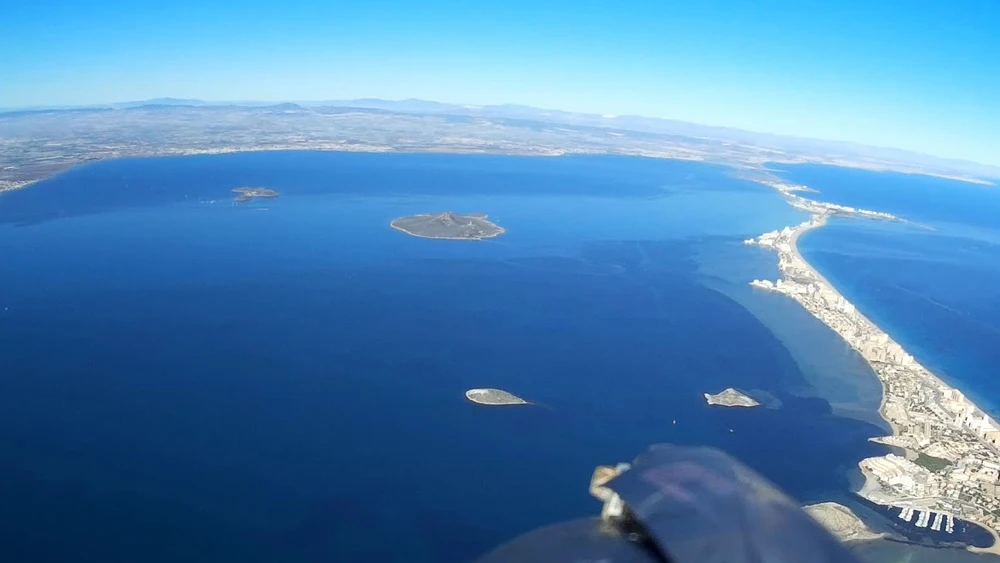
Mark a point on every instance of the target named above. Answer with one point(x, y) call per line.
point(932, 463)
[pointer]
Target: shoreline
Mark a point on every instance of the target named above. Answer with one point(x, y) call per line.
point(964, 436)
point(10, 184)
point(793, 242)
point(795, 250)
point(842, 522)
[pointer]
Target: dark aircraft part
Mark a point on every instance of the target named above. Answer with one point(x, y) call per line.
point(682, 505)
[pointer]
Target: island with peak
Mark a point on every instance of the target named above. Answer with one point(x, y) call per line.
point(731, 398)
point(494, 397)
point(448, 225)
point(246, 194)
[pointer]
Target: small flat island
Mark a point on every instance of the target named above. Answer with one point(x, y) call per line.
point(246, 194)
point(493, 397)
point(448, 225)
point(731, 398)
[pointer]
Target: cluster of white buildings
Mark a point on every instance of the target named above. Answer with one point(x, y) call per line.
point(903, 476)
point(835, 209)
point(785, 188)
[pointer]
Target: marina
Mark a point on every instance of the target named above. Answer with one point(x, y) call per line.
point(919, 525)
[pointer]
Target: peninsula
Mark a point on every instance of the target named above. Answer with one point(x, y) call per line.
point(841, 521)
point(731, 398)
point(493, 397)
point(246, 194)
point(448, 225)
point(951, 467)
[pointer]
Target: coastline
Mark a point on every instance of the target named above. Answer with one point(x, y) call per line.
point(793, 242)
point(842, 522)
point(896, 431)
point(21, 181)
point(901, 378)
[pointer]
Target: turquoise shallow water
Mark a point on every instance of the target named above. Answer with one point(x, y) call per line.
point(184, 379)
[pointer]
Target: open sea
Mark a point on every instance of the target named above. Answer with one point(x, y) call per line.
point(183, 379)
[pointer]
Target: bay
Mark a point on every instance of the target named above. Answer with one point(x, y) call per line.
point(182, 378)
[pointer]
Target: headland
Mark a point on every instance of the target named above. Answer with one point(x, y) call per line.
point(951, 466)
point(841, 521)
point(448, 226)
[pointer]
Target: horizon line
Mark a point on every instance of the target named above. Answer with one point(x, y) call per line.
point(192, 102)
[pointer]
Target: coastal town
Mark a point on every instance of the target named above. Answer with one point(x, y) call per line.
point(950, 462)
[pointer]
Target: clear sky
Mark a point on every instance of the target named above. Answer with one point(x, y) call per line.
point(916, 74)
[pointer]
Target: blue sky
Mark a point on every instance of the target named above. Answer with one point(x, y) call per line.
point(919, 75)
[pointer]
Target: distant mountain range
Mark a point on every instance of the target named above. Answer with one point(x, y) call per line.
point(674, 127)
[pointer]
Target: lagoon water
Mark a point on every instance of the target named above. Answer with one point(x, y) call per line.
point(182, 379)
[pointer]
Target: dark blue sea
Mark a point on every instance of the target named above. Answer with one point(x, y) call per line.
point(184, 379)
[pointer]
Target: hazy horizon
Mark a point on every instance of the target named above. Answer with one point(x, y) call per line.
point(921, 79)
point(179, 101)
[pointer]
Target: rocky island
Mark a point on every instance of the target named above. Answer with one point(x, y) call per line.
point(246, 194)
point(731, 398)
point(494, 397)
point(448, 225)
